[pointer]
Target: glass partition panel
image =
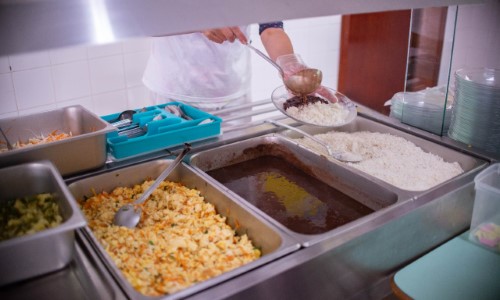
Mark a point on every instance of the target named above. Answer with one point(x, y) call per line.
point(427, 100)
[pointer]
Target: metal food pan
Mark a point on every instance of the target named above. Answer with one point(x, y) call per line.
point(273, 242)
point(85, 277)
point(48, 250)
point(370, 192)
point(83, 151)
point(467, 162)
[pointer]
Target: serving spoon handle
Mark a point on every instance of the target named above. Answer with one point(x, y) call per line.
point(338, 155)
point(9, 145)
point(261, 54)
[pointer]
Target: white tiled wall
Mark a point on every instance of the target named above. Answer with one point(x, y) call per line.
point(101, 78)
point(108, 78)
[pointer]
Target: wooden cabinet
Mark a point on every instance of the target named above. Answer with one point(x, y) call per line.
point(381, 53)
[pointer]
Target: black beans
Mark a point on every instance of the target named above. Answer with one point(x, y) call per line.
point(297, 101)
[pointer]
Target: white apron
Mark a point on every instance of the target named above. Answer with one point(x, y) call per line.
point(192, 69)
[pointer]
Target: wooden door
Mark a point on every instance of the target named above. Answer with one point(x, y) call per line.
point(373, 56)
point(375, 62)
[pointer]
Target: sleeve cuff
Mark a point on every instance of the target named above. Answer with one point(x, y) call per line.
point(265, 26)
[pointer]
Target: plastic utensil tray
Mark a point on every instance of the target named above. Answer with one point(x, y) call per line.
point(162, 129)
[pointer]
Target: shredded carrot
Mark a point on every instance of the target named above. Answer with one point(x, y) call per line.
point(55, 135)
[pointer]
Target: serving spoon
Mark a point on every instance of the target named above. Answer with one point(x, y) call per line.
point(129, 215)
point(123, 118)
point(301, 83)
point(9, 145)
point(177, 110)
point(338, 155)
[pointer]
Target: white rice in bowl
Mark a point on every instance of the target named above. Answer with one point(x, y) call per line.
point(323, 114)
point(390, 158)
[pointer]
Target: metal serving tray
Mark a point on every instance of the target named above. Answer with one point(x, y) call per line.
point(273, 242)
point(84, 151)
point(48, 250)
point(366, 189)
point(467, 162)
point(371, 193)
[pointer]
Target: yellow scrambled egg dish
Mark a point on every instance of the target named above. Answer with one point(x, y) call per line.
point(180, 240)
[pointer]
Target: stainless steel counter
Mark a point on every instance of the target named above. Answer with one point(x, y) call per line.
point(358, 263)
point(84, 278)
point(354, 263)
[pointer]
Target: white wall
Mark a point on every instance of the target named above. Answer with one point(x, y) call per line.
point(104, 79)
point(107, 79)
point(477, 42)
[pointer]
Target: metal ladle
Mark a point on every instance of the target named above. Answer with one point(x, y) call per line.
point(123, 119)
point(338, 155)
point(129, 215)
point(301, 83)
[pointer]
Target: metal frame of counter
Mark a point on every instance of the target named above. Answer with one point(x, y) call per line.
point(33, 25)
point(355, 264)
point(359, 263)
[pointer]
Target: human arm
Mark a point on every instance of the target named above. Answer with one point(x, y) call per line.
point(276, 42)
point(274, 38)
point(280, 49)
point(220, 35)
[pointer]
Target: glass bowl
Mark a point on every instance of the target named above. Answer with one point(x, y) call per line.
point(347, 108)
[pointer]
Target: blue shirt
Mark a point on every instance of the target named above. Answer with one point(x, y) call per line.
point(264, 26)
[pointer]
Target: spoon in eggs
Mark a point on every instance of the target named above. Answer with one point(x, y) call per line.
point(129, 215)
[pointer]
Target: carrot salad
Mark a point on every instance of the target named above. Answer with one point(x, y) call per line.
point(180, 240)
point(56, 135)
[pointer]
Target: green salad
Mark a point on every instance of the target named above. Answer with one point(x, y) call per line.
point(28, 215)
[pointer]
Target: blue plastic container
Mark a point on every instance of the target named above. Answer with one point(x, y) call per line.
point(162, 130)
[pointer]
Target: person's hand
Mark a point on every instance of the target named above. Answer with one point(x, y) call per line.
point(293, 63)
point(290, 64)
point(327, 94)
point(230, 34)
